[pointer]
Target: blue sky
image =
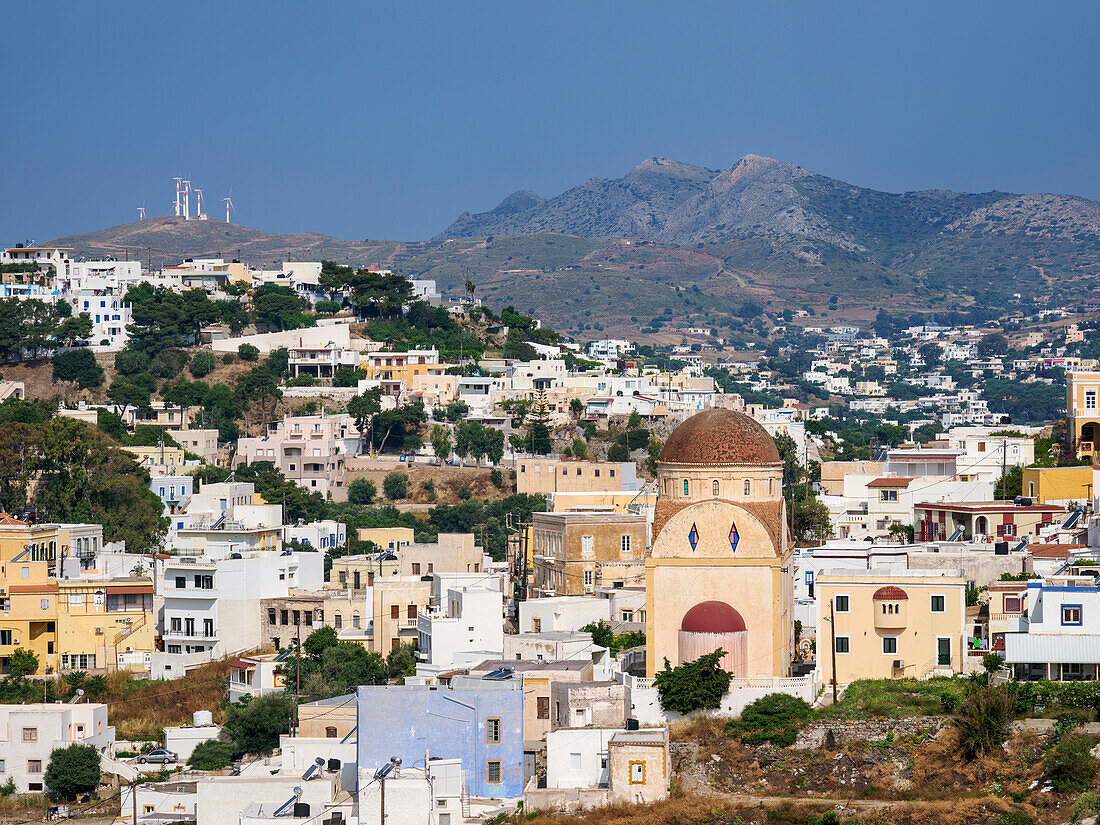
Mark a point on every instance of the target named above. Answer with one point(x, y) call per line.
point(385, 120)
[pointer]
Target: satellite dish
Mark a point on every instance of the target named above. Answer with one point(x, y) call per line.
point(297, 790)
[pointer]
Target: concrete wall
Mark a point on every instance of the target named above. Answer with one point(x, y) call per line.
point(406, 721)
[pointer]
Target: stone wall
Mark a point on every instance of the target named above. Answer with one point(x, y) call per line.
point(869, 730)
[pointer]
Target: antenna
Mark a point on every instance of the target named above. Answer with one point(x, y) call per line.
point(178, 182)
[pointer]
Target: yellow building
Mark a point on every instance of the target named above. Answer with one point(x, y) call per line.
point(386, 538)
point(1083, 412)
point(1047, 485)
point(158, 458)
point(718, 575)
point(882, 626)
point(68, 624)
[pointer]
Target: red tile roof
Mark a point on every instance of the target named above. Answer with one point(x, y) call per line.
point(889, 592)
point(894, 481)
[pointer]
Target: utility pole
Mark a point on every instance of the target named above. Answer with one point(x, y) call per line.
point(133, 796)
point(832, 651)
point(1004, 467)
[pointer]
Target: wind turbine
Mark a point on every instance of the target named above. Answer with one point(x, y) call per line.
point(141, 212)
point(228, 204)
point(198, 193)
point(178, 182)
point(187, 200)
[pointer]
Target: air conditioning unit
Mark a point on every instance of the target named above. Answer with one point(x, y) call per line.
point(899, 664)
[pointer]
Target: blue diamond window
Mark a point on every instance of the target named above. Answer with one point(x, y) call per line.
point(693, 536)
point(734, 538)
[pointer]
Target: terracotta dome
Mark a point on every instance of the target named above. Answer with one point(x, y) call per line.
point(712, 617)
point(716, 437)
point(890, 593)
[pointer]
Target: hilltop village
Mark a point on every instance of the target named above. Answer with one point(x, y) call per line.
point(325, 544)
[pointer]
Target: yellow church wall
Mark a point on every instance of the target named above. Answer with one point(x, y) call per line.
point(750, 579)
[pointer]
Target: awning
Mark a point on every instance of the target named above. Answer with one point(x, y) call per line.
point(1041, 648)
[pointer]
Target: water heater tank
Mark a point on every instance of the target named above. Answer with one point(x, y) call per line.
point(202, 717)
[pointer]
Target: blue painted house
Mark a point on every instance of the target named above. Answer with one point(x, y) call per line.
point(172, 491)
point(478, 720)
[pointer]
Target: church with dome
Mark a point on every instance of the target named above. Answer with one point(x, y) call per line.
point(718, 574)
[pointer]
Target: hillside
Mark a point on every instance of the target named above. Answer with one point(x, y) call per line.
point(168, 240)
point(671, 245)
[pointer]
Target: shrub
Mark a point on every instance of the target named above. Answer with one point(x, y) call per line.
point(77, 365)
point(211, 755)
point(693, 685)
point(8, 788)
point(362, 491)
point(983, 720)
point(228, 358)
point(202, 364)
point(1087, 804)
point(131, 362)
point(73, 770)
point(465, 493)
point(396, 485)
point(497, 478)
point(993, 662)
point(247, 352)
point(775, 718)
point(327, 307)
point(1069, 766)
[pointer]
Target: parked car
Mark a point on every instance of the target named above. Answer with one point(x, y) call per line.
point(159, 755)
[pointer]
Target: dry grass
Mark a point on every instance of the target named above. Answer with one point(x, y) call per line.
point(142, 708)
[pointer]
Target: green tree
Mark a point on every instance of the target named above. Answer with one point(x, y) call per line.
point(363, 408)
point(1011, 484)
point(362, 491)
point(931, 354)
point(396, 485)
point(401, 661)
point(72, 771)
point(319, 641)
point(347, 376)
point(279, 306)
point(202, 364)
point(576, 406)
point(22, 662)
point(693, 685)
point(254, 726)
point(617, 452)
point(441, 442)
point(602, 634)
point(77, 365)
point(247, 352)
point(580, 448)
point(211, 755)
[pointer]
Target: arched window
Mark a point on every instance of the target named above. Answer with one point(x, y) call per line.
point(685, 487)
point(714, 488)
point(271, 615)
point(355, 620)
point(748, 487)
point(337, 621)
point(771, 486)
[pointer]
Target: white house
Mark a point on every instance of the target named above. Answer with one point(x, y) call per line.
point(29, 733)
point(1060, 637)
point(464, 620)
